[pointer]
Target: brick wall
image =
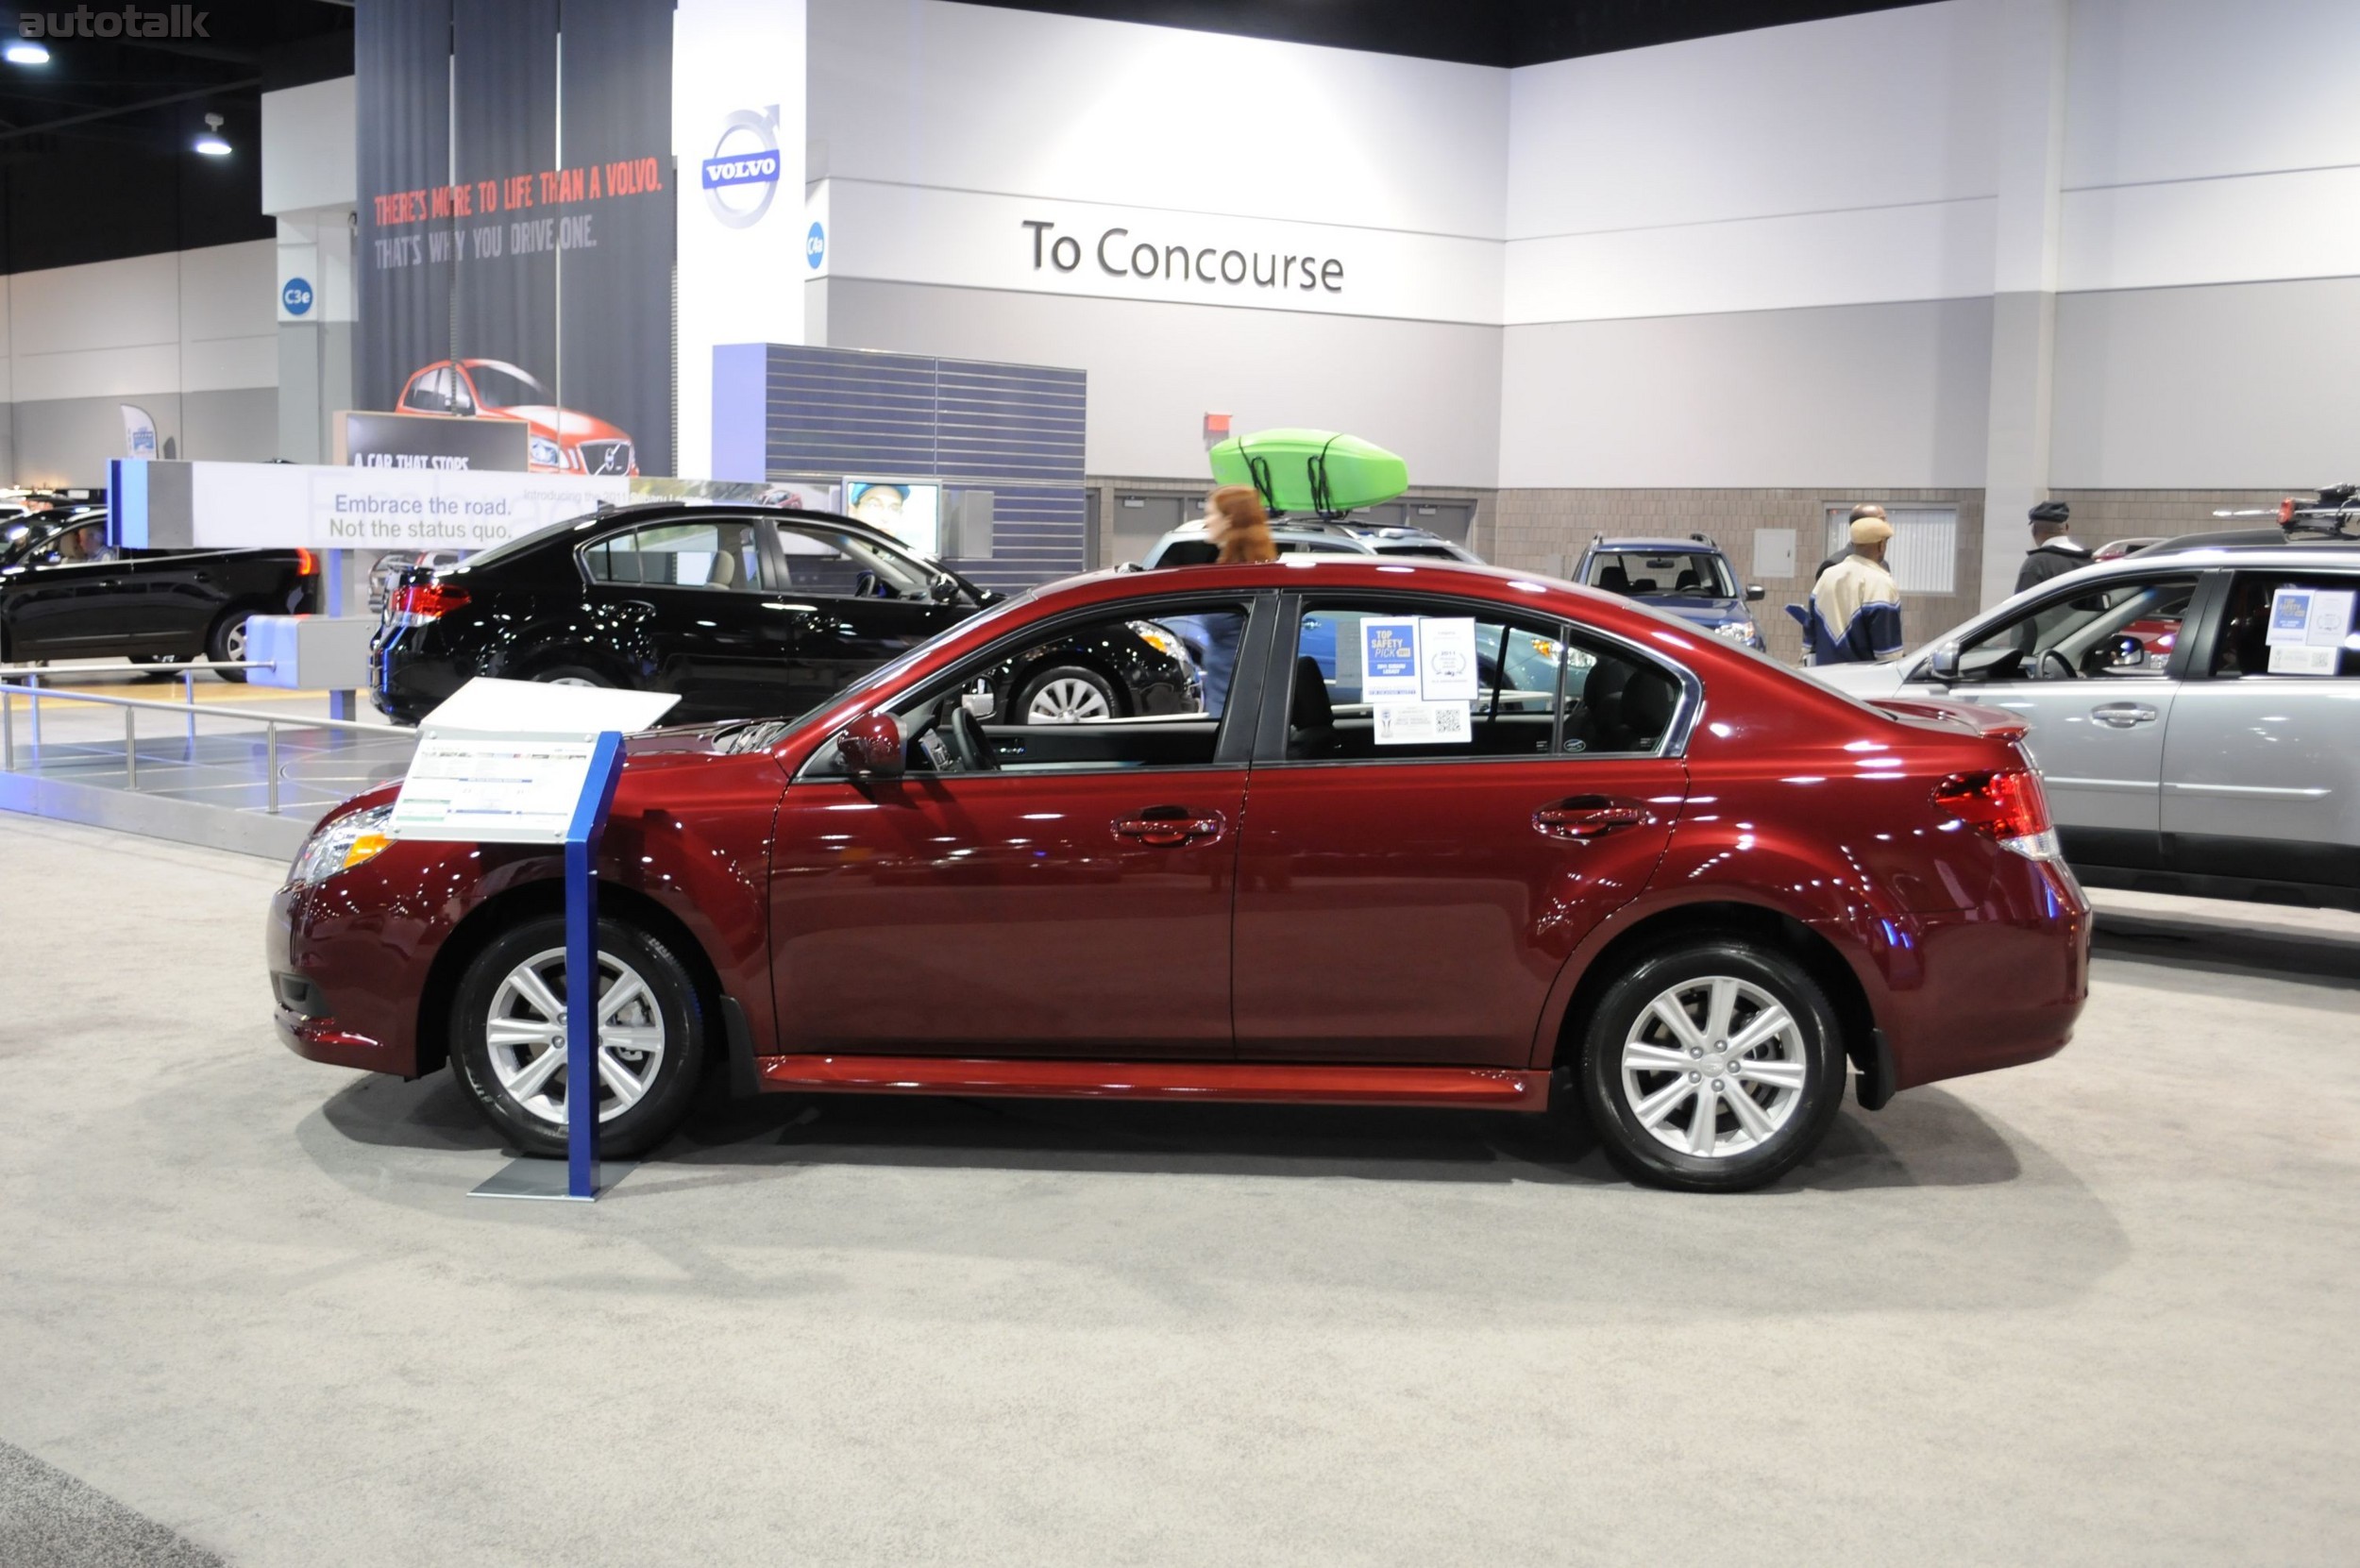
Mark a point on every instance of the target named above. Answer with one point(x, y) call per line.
point(1545, 531)
point(2101, 515)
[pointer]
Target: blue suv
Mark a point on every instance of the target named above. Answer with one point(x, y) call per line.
point(1689, 578)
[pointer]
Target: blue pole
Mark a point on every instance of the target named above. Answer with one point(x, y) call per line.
point(582, 967)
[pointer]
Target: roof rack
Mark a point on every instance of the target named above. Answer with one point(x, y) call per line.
point(2336, 515)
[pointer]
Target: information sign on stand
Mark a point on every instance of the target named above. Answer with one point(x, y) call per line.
point(514, 761)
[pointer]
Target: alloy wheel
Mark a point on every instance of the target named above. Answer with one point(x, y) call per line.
point(1714, 1066)
point(525, 1033)
point(1068, 699)
point(233, 643)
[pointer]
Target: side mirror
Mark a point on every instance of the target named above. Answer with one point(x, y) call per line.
point(978, 700)
point(2127, 653)
point(1755, 593)
point(1943, 664)
point(870, 746)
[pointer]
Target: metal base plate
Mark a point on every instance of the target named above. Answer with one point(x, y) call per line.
point(545, 1179)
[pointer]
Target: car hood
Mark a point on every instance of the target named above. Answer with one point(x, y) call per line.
point(1704, 610)
point(1870, 681)
point(560, 424)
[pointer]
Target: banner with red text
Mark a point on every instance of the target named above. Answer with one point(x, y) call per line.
point(517, 222)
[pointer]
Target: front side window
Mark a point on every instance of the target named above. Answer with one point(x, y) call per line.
point(719, 553)
point(1122, 690)
point(2290, 623)
point(1698, 572)
point(2126, 629)
point(827, 564)
point(1372, 682)
point(429, 393)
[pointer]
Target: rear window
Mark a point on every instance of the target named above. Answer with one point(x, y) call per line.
point(1700, 572)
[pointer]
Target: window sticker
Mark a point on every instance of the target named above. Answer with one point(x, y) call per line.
point(1389, 659)
point(1446, 660)
point(1422, 724)
point(2307, 629)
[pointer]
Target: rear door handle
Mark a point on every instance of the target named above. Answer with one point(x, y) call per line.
point(1167, 827)
point(1585, 817)
point(2124, 716)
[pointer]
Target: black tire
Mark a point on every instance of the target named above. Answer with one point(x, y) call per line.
point(227, 643)
point(1743, 1156)
point(1066, 678)
point(539, 1128)
point(571, 675)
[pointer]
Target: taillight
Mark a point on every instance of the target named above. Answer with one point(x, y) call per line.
point(2007, 806)
point(305, 561)
point(417, 602)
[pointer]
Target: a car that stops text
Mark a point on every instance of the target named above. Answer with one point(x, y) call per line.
point(1604, 856)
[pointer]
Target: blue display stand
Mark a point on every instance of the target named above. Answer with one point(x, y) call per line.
point(537, 1179)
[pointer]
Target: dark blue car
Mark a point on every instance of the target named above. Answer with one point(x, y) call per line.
point(1689, 578)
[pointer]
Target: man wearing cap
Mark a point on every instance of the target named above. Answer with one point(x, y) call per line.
point(2052, 554)
point(1855, 613)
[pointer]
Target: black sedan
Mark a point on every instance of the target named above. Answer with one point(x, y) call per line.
point(68, 594)
point(744, 611)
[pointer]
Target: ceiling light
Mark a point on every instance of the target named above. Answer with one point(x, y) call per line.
point(24, 52)
point(210, 143)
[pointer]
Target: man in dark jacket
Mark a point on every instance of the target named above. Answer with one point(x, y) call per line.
point(2052, 554)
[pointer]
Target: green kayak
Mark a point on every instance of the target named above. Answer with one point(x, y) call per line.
point(1310, 470)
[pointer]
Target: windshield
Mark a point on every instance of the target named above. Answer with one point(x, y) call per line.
point(1700, 572)
point(503, 386)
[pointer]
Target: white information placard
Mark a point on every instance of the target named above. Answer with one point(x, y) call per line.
point(2307, 629)
point(492, 789)
point(1422, 723)
point(1446, 659)
point(1389, 659)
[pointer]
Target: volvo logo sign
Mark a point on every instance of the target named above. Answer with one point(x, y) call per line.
point(815, 245)
point(741, 179)
point(296, 297)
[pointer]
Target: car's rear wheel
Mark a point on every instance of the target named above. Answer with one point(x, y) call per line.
point(1067, 694)
point(571, 675)
point(229, 643)
point(1713, 1066)
point(508, 1038)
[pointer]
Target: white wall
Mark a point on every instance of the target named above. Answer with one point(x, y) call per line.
point(188, 335)
point(311, 147)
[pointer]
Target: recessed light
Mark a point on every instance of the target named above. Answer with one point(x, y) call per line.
point(25, 52)
point(210, 143)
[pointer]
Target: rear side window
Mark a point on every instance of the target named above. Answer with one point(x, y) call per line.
point(1188, 552)
point(719, 555)
point(2290, 623)
point(1375, 682)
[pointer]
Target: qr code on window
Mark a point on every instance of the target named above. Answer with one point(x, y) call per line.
point(1450, 722)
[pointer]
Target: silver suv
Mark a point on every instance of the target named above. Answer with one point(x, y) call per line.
point(2195, 715)
point(1187, 546)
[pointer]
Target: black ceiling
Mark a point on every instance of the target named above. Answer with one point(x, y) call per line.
point(1475, 32)
point(96, 158)
point(96, 146)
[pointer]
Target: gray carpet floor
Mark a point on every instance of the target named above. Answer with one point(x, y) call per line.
point(2091, 1312)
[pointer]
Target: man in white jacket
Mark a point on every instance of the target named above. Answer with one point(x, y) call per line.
point(1855, 613)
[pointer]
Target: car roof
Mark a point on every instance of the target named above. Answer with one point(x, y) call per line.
point(1651, 543)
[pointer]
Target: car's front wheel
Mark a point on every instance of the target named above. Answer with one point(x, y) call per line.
point(1068, 693)
point(570, 675)
point(508, 1038)
point(1713, 1066)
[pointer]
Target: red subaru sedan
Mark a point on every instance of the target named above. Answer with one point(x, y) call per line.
point(1438, 835)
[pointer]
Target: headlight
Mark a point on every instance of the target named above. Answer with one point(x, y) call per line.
point(1161, 640)
point(545, 452)
point(345, 843)
point(1740, 631)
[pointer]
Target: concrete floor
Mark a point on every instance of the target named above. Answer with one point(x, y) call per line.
point(2092, 1311)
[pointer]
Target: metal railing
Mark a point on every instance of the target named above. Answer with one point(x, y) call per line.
point(188, 709)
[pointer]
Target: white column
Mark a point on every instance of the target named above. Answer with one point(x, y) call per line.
point(2030, 148)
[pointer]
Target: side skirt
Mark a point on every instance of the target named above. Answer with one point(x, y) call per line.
point(1493, 1089)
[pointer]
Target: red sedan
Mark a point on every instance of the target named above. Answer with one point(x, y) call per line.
point(1443, 835)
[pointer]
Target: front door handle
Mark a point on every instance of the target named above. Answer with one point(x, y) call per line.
point(1583, 818)
point(1168, 827)
point(2123, 716)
